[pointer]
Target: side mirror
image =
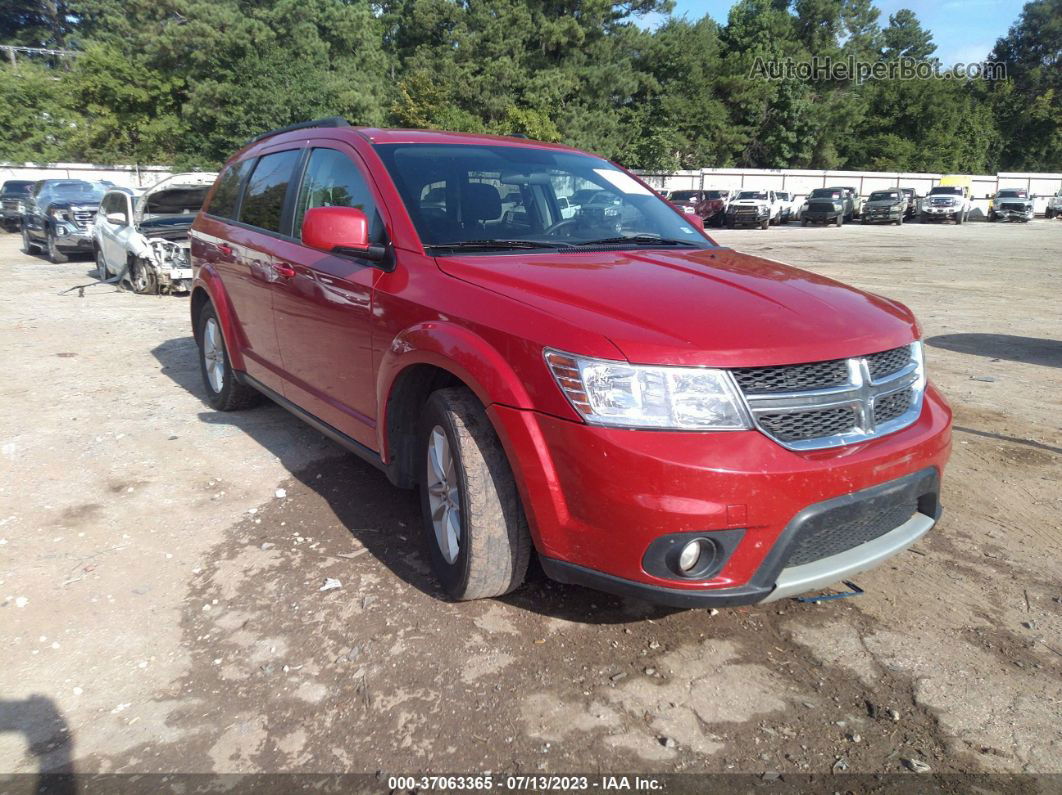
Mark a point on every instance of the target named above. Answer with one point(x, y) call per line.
point(118, 219)
point(340, 230)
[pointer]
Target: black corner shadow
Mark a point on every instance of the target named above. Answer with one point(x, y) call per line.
point(386, 520)
point(48, 737)
point(1027, 350)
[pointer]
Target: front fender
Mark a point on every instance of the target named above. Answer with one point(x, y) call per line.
point(208, 281)
point(456, 349)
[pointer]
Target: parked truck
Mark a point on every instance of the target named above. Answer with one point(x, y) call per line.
point(950, 200)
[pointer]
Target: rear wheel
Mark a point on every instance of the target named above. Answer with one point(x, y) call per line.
point(101, 266)
point(473, 520)
point(224, 392)
point(28, 246)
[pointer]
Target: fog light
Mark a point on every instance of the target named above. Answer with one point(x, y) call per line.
point(690, 555)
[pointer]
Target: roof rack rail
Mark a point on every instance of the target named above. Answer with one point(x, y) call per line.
point(331, 121)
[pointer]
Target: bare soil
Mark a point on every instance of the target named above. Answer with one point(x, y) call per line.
point(161, 567)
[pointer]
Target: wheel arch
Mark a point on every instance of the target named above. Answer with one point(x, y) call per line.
point(209, 289)
point(421, 360)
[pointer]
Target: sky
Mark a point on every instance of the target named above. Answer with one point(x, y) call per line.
point(963, 30)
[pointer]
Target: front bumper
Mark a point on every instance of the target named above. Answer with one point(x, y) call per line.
point(70, 237)
point(597, 499)
point(941, 212)
point(888, 216)
point(818, 216)
point(1026, 215)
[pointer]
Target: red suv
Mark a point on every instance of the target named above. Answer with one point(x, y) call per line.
point(653, 414)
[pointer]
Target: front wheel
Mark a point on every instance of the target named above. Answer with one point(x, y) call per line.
point(473, 520)
point(54, 254)
point(28, 246)
point(765, 223)
point(840, 220)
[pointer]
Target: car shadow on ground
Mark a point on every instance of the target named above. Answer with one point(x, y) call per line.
point(48, 739)
point(384, 519)
point(1027, 350)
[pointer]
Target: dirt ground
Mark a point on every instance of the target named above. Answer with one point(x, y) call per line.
point(161, 567)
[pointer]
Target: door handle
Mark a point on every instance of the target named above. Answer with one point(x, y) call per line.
point(284, 270)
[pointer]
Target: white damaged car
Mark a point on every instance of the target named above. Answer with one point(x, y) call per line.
point(141, 238)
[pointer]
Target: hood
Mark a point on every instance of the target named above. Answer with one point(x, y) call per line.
point(712, 307)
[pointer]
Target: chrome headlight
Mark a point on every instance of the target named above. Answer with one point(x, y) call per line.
point(608, 392)
point(60, 215)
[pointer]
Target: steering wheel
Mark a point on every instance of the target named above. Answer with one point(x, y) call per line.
point(555, 229)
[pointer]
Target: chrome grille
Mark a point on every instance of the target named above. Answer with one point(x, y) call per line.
point(889, 407)
point(821, 207)
point(758, 380)
point(11, 204)
point(836, 402)
point(797, 425)
point(1020, 206)
point(83, 217)
point(888, 362)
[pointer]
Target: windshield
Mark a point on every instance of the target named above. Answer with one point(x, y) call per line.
point(782, 195)
point(945, 191)
point(75, 191)
point(752, 194)
point(17, 188)
point(884, 195)
point(825, 193)
point(685, 195)
point(494, 197)
point(715, 194)
point(1012, 194)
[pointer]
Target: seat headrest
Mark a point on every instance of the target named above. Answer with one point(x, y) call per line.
point(481, 202)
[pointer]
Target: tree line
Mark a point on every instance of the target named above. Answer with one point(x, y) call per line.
point(185, 82)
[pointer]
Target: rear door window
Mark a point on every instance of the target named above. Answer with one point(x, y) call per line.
point(223, 203)
point(263, 199)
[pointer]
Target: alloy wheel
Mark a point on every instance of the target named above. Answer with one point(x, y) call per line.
point(214, 355)
point(444, 495)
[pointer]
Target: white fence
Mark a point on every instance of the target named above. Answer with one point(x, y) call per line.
point(801, 182)
point(122, 176)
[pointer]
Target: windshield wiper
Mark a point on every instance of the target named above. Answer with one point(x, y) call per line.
point(505, 245)
point(641, 240)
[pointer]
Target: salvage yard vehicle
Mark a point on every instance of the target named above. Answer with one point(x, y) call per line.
point(709, 205)
point(1011, 204)
point(855, 202)
point(825, 206)
point(59, 216)
point(946, 202)
point(143, 239)
point(754, 208)
point(1054, 206)
point(652, 414)
point(885, 206)
point(13, 196)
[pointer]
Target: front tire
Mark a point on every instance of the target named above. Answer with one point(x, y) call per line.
point(224, 392)
point(765, 223)
point(28, 246)
point(473, 520)
point(54, 254)
point(840, 220)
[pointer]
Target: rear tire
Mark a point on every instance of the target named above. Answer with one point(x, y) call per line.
point(473, 520)
point(101, 266)
point(224, 392)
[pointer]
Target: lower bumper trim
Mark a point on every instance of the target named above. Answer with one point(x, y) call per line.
point(820, 573)
point(573, 574)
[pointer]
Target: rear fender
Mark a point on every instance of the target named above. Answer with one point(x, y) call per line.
point(208, 281)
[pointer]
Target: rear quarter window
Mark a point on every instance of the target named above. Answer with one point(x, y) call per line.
point(263, 200)
point(227, 193)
